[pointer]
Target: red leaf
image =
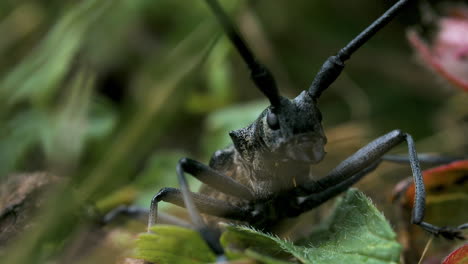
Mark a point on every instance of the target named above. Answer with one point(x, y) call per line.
point(459, 256)
point(438, 179)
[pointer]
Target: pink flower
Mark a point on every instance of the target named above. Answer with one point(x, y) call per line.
point(447, 54)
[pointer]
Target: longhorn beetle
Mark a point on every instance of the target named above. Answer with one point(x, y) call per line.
point(264, 176)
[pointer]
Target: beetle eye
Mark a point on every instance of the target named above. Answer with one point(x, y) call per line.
point(272, 121)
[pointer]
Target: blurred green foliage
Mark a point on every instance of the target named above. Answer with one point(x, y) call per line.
point(108, 94)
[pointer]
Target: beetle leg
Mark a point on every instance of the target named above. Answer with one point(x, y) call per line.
point(323, 192)
point(209, 234)
point(139, 212)
point(131, 211)
point(195, 202)
point(356, 166)
point(205, 204)
point(202, 202)
point(429, 159)
point(214, 179)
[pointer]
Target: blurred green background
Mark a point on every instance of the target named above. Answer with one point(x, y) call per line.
point(108, 95)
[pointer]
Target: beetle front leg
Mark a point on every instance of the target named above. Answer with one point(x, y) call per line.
point(214, 179)
point(196, 203)
point(363, 159)
point(209, 234)
point(203, 203)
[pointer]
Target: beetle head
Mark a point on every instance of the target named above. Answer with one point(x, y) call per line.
point(289, 131)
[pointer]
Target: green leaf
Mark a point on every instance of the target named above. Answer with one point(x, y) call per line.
point(219, 81)
point(263, 258)
point(356, 233)
point(257, 243)
point(247, 241)
point(172, 244)
point(18, 136)
point(38, 76)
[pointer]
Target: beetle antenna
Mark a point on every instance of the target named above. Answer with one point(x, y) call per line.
point(370, 31)
point(259, 74)
point(333, 66)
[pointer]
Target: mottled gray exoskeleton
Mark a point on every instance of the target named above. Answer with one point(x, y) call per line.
point(264, 177)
